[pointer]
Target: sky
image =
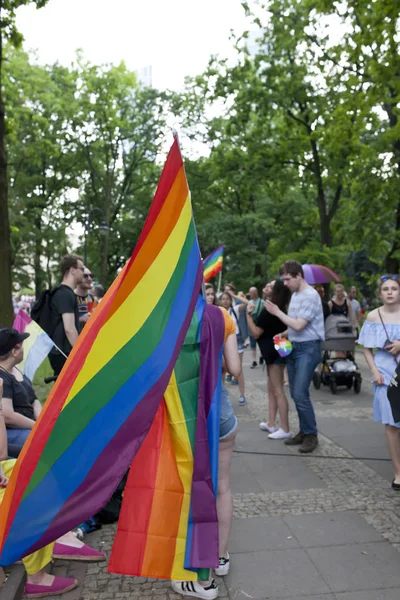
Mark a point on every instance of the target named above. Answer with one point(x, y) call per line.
point(176, 37)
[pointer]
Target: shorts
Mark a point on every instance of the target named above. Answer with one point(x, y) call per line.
point(253, 343)
point(275, 360)
point(240, 343)
point(228, 421)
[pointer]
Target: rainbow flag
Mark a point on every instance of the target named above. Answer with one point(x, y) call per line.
point(213, 263)
point(36, 347)
point(108, 395)
point(168, 522)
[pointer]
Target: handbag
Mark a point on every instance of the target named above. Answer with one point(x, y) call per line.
point(393, 392)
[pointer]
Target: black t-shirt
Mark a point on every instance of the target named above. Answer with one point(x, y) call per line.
point(21, 393)
point(271, 326)
point(63, 301)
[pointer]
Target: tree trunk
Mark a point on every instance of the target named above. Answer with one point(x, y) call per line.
point(38, 256)
point(104, 259)
point(392, 263)
point(325, 229)
point(6, 310)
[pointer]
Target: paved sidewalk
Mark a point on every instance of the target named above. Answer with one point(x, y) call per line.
point(322, 527)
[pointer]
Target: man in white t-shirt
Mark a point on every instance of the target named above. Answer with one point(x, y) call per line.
point(305, 323)
point(356, 306)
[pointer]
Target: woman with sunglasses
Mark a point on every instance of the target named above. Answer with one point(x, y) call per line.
point(381, 331)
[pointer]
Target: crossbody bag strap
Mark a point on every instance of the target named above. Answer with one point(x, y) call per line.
point(386, 333)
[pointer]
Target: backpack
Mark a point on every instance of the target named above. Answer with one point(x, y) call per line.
point(41, 311)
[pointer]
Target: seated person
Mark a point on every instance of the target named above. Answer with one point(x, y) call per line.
point(21, 408)
point(68, 547)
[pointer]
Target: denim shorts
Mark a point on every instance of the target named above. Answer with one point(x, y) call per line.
point(228, 421)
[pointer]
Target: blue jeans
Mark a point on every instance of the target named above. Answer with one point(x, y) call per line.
point(301, 364)
point(16, 438)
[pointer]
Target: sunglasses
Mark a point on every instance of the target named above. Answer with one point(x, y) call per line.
point(393, 277)
point(87, 275)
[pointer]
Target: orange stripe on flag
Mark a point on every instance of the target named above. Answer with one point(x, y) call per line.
point(165, 515)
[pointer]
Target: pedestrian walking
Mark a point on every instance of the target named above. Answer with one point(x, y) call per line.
point(305, 323)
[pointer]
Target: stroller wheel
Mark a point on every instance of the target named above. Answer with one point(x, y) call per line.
point(316, 380)
point(357, 384)
point(333, 385)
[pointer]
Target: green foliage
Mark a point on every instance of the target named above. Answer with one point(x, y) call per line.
point(305, 135)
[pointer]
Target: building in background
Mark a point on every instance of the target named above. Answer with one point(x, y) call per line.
point(145, 76)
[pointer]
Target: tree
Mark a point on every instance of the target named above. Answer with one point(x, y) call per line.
point(368, 57)
point(9, 32)
point(119, 130)
point(43, 161)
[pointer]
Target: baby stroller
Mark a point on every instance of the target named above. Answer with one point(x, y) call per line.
point(341, 369)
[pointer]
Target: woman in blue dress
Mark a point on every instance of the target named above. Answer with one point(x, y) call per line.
point(381, 331)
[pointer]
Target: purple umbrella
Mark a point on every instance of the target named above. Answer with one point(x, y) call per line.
point(315, 274)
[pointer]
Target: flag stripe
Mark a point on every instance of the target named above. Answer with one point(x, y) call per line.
point(140, 304)
point(168, 495)
point(33, 447)
point(162, 228)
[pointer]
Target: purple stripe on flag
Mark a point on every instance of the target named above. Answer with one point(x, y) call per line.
point(204, 551)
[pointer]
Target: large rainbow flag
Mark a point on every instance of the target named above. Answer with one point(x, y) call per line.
point(213, 263)
point(107, 406)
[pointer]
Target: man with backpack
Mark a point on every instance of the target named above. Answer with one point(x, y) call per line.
point(64, 310)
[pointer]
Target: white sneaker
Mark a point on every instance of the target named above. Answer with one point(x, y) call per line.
point(265, 427)
point(279, 434)
point(195, 590)
point(224, 565)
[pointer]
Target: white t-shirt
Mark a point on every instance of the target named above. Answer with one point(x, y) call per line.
point(234, 312)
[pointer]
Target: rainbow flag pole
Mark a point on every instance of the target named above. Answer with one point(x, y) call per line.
point(213, 263)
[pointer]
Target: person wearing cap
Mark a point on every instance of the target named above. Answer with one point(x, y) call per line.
point(39, 583)
point(21, 408)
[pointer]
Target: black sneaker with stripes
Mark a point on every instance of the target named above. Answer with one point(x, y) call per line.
point(195, 590)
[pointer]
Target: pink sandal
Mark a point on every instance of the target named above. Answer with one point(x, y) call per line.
point(59, 586)
point(85, 553)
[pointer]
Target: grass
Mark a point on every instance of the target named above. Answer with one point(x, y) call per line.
point(41, 388)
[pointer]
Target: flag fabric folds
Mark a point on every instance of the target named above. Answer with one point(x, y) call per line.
point(36, 347)
point(168, 523)
point(213, 263)
point(108, 397)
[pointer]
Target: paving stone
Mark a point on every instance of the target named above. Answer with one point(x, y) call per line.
point(331, 529)
point(393, 594)
point(279, 573)
point(282, 473)
point(260, 533)
point(358, 566)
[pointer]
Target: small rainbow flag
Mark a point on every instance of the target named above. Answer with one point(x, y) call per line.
point(213, 263)
point(109, 397)
point(282, 345)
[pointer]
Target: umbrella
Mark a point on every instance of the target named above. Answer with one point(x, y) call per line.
point(315, 274)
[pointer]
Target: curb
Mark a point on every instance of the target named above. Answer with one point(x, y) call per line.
point(13, 588)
